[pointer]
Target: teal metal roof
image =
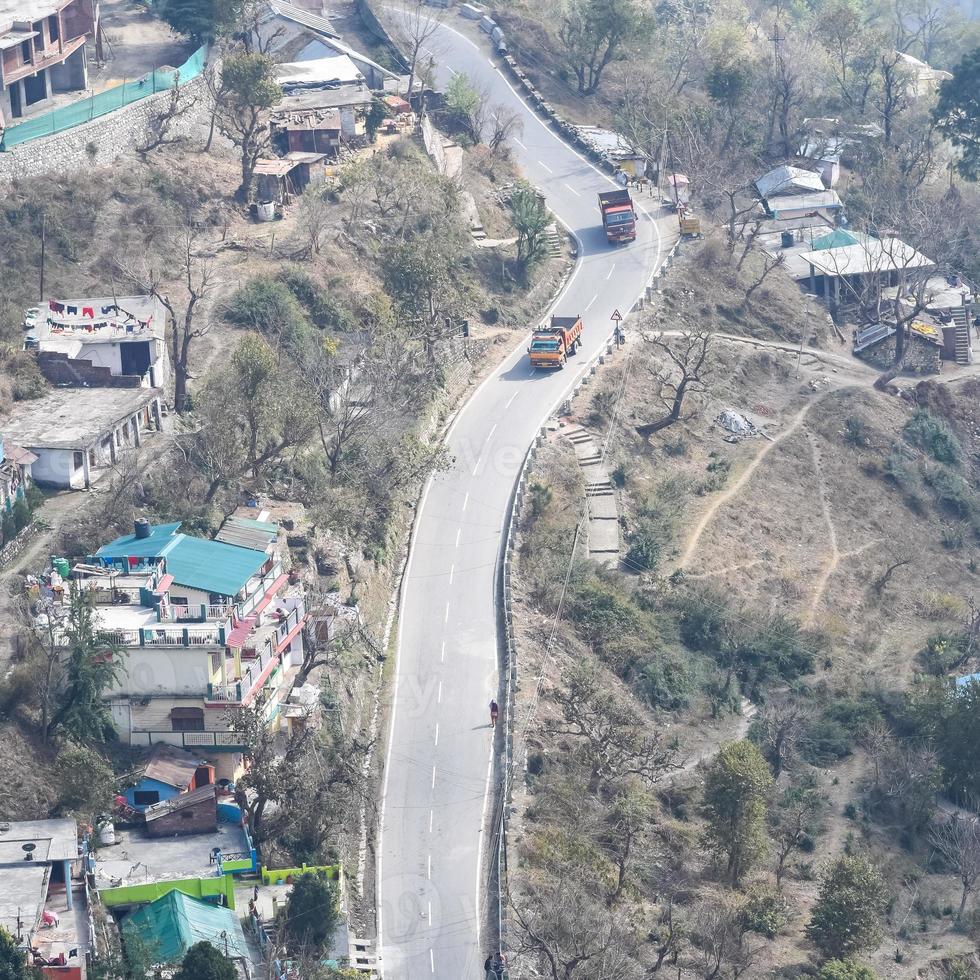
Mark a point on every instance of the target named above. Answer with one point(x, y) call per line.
point(835, 239)
point(175, 922)
point(197, 563)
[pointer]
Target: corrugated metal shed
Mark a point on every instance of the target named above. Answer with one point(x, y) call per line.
point(180, 802)
point(171, 766)
point(247, 533)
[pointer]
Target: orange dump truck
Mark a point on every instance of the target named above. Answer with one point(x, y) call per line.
point(552, 345)
point(618, 216)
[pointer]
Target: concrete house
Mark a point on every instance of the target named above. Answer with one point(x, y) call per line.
point(42, 52)
point(205, 627)
point(15, 473)
point(106, 341)
point(42, 894)
point(78, 434)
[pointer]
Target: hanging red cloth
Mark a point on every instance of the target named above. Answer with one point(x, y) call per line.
point(89, 312)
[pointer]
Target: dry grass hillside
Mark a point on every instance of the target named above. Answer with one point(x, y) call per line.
point(753, 585)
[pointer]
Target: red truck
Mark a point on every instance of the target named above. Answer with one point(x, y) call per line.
point(618, 216)
point(551, 346)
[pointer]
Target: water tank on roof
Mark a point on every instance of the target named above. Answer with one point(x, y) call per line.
point(142, 528)
point(787, 239)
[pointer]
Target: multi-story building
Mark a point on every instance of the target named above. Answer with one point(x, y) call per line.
point(205, 627)
point(42, 52)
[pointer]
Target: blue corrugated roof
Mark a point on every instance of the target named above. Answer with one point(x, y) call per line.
point(196, 563)
point(967, 679)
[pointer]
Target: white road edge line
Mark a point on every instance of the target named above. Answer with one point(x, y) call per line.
point(483, 823)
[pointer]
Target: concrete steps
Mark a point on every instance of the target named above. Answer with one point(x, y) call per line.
point(603, 530)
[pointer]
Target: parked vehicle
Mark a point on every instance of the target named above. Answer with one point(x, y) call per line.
point(618, 216)
point(551, 346)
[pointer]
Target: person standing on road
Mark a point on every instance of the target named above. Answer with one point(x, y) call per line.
point(494, 711)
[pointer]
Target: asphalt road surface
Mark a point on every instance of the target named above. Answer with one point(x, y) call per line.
point(432, 892)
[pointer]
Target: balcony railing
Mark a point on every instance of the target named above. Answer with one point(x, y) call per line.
point(198, 613)
point(187, 739)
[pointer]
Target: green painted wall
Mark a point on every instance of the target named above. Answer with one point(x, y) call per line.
point(278, 876)
point(206, 888)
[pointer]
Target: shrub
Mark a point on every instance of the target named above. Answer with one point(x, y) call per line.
point(324, 310)
point(764, 912)
point(703, 615)
point(618, 475)
point(856, 432)
point(952, 537)
point(21, 514)
point(718, 470)
point(846, 970)
point(941, 605)
point(676, 447)
point(665, 682)
point(952, 492)
point(832, 734)
point(943, 651)
point(8, 527)
point(311, 912)
point(270, 308)
point(647, 542)
point(933, 436)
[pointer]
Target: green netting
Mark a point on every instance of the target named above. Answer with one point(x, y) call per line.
point(111, 99)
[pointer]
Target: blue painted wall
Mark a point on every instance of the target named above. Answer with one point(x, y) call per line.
point(149, 785)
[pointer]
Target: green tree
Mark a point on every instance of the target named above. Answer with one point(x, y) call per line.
point(957, 113)
point(466, 106)
point(531, 219)
point(251, 89)
point(594, 33)
point(311, 913)
point(204, 962)
point(847, 916)
point(200, 20)
point(77, 664)
point(735, 790)
point(22, 515)
point(846, 970)
point(956, 726)
point(13, 962)
point(85, 781)
point(375, 117)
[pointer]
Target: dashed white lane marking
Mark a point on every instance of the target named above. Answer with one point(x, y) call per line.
point(431, 814)
point(437, 733)
point(452, 571)
point(439, 694)
point(466, 500)
point(445, 618)
point(442, 653)
point(518, 142)
point(458, 533)
point(433, 777)
point(572, 189)
point(545, 166)
point(511, 402)
point(591, 301)
point(611, 271)
point(432, 961)
point(428, 874)
point(490, 433)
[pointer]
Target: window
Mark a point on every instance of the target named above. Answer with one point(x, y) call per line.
point(39, 37)
point(186, 814)
point(91, 458)
point(25, 52)
point(146, 797)
point(178, 600)
point(187, 719)
point(54, 32)
point(77, 460)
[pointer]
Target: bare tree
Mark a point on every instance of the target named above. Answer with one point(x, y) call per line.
point(686, 372)
point(719, 938)
point(564, 928)
point(957, 839)
point(183, 292)
point(881, 582)
point(506, 125)
point(782, 724)
point(615, 743)
point(160, 125)
point(217, 92)
point(894, 94)
point(416, 25)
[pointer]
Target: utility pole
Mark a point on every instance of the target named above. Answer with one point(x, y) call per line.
point(43, 241)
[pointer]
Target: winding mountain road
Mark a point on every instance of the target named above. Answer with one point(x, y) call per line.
point(431, 884)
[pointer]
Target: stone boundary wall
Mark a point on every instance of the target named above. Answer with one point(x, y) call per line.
point(378, 29)
point(102, 141)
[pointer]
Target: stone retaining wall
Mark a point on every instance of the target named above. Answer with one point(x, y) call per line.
point(102, 141)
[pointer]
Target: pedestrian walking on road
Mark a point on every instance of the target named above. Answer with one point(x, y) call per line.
point(494, 711)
